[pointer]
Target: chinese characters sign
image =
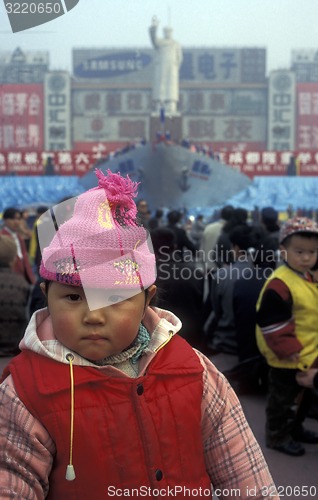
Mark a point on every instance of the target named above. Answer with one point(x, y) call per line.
point(307, 116)
point(252, 163)
point(271, 163)
point(281, 111)
point(21, 111)
point(227, 129)
point(211, 65)
point(57, 111)
point(34, 163)
point(224, 65)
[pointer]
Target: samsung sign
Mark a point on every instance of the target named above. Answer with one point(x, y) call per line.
point(111, 65)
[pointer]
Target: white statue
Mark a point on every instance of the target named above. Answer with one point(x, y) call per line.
point(165, 91)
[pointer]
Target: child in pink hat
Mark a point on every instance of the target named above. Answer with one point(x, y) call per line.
point(106, 399)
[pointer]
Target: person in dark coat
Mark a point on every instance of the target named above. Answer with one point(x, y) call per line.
point(12, 219)
point(182, 240)
point(251, 372)
point(14, 292)
point(180, 285)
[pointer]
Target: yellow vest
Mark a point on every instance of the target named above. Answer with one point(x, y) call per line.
point(305, 311)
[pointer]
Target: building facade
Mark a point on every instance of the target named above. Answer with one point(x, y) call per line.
point(227, 104)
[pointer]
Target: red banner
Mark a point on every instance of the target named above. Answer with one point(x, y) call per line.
point(252, 163)
point(98, 147)
point(53, 163)
point(256, 163)
point(21, 111)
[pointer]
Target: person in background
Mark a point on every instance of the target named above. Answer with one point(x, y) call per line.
point(251, 373)
point(104, 374)
point(180, 286)
point(286, 332)
point(156, 220)
point(12, 220)
point(196, 231)
point(210, 237)
point(181, 239)
point(14, 293)
point(269, 219)
point(62, 212)
point(24, 230)
point(224, 246)
point(34, 248)
point(143, 212)
point(220, 327)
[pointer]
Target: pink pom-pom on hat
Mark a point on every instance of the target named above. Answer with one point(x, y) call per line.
point(101, 245)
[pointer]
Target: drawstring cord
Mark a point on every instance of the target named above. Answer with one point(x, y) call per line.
point(165, 342)
point(70, 473)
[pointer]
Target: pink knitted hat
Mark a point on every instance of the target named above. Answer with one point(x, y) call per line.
point(297, 225)
point(101, 245)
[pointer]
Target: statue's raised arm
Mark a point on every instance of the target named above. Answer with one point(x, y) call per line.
point(153, 32)
point(168, 59)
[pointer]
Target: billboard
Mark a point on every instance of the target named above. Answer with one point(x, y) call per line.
point(21, 111)
point(210, 65)
point(23, 67)
point(229, 117)
point(238, 101)
point(223, 65)
point(281, 111)
point(307, 116)
point(305, 65)
point(57, 94)
point(101, 128)
point(225, 129)
point(110, 102)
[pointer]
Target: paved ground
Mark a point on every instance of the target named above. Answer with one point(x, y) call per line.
point(288, 472)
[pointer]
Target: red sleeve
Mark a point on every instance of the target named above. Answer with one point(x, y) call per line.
point(275, 318)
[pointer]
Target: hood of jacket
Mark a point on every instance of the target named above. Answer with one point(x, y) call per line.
point(39, 337)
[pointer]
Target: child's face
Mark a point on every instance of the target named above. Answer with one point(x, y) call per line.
point(300, 253)
point(96, 334)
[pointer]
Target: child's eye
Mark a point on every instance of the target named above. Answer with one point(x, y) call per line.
point(115, 298)
point(74, 297)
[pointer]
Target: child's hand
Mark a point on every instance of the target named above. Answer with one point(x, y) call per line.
point(293, 357)
point(306, 378)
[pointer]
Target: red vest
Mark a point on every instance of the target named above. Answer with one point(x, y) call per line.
point(142, 433)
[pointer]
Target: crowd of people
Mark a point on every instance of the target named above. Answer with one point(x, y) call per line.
point(246, 285)
point(242, 284)
point(173, 421)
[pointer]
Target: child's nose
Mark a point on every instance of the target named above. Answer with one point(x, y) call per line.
point(95, 316)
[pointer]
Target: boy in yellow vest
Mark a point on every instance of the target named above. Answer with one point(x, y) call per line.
point(287, 334)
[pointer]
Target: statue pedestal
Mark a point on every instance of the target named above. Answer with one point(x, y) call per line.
point(172, 128)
